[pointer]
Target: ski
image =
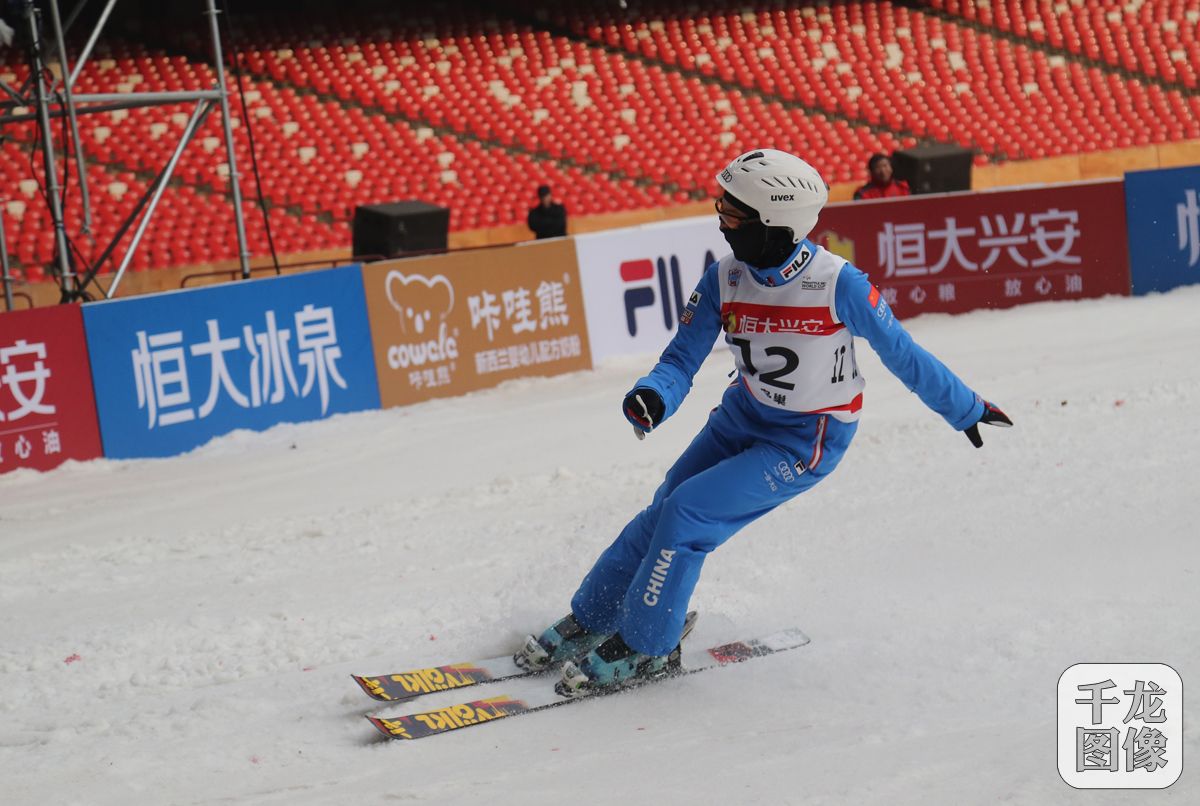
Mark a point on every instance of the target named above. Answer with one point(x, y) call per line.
point(403, 686)
point(464, 715)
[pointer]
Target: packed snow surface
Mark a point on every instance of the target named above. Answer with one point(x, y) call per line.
point(182, 631)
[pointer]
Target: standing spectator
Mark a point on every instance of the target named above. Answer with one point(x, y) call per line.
point(883, 184)
point(549, 218)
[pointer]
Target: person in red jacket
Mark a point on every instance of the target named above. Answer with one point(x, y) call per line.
point(883, 184)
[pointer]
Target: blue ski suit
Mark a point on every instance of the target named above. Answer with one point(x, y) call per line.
point(752, 455)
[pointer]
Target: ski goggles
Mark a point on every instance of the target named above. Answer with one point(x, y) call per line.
point(730, 216)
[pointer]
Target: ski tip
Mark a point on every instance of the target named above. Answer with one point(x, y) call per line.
point(790, 638)
point(372, 688)
point(390, 729)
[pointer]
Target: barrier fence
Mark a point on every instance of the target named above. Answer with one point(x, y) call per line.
point(959, 252)
point(636, 281)
point(1163, 213)
point(171, 371)
point(455, 323)
point(47, 413)
point(161, 374)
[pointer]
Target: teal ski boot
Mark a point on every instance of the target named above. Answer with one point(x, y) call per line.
point(611, 666)
point(614, 665)
point(562, 641)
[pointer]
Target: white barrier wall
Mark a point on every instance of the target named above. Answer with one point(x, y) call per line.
point(636, 281)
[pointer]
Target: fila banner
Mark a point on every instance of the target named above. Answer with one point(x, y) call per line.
point(1163, 215)
point(172, 371)
point(957, 252)
point(47, 412)
point(637, 280)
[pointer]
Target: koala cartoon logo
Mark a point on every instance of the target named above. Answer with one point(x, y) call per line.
point(417, 298)
point(416, 304)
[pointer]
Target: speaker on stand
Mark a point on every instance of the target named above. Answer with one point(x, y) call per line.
point(399, 228)
point(940, 168)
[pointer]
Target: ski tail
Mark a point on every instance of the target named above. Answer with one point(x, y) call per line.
point(453, 717)
point(409, 685)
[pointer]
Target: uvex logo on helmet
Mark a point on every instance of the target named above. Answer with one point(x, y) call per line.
point(783, 197)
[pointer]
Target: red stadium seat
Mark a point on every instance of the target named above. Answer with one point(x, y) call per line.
point(473, 112)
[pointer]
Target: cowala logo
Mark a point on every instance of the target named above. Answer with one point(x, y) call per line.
point(418, 300)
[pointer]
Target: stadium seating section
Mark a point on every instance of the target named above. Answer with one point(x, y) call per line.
point(618, 110)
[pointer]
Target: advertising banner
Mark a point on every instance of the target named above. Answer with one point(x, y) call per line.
point(636, 281)
point(449, 324)
point(958, 252)
point(172, 371)
point(47, 412)
point(1163, 215)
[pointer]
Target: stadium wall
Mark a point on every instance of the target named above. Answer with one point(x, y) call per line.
point(1074, 168)
point(162, 373)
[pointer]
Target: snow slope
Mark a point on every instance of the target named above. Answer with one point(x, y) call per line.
point(180, 631)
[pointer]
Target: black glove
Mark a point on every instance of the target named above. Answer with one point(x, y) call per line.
point(644, 408)
point(992, 416)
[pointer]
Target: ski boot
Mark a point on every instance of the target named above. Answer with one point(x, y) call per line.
point(563, 640)
point(614, 665)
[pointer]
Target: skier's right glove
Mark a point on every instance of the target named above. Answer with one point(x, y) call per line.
point(991, 416)
point(644, 408)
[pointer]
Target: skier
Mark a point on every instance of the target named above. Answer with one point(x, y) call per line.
point(790, 310)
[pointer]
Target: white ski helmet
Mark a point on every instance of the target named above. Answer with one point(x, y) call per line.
point(783, 189)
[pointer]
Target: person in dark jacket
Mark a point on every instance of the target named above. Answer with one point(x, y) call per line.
point(883, 184)
point(549, 218)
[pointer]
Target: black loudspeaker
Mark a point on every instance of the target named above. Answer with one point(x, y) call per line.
point(393, 229)
point(934, 169)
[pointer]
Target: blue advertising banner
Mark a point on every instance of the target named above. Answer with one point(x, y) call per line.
point(1163, 216)
point(171, 371)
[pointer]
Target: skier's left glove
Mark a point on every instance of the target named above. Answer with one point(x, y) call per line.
point(991, 416)
point(644, 408)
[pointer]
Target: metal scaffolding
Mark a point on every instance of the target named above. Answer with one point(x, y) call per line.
point(49, 103)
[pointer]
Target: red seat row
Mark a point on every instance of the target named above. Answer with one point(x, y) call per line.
point(890, 65)
point(635, 109)
point(1160, 39)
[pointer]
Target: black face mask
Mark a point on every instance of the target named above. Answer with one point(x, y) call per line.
point(758, 245)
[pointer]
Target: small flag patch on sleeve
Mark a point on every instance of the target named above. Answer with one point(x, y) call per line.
point(873, 297)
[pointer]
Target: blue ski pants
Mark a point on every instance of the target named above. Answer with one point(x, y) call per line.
point(746, 461)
